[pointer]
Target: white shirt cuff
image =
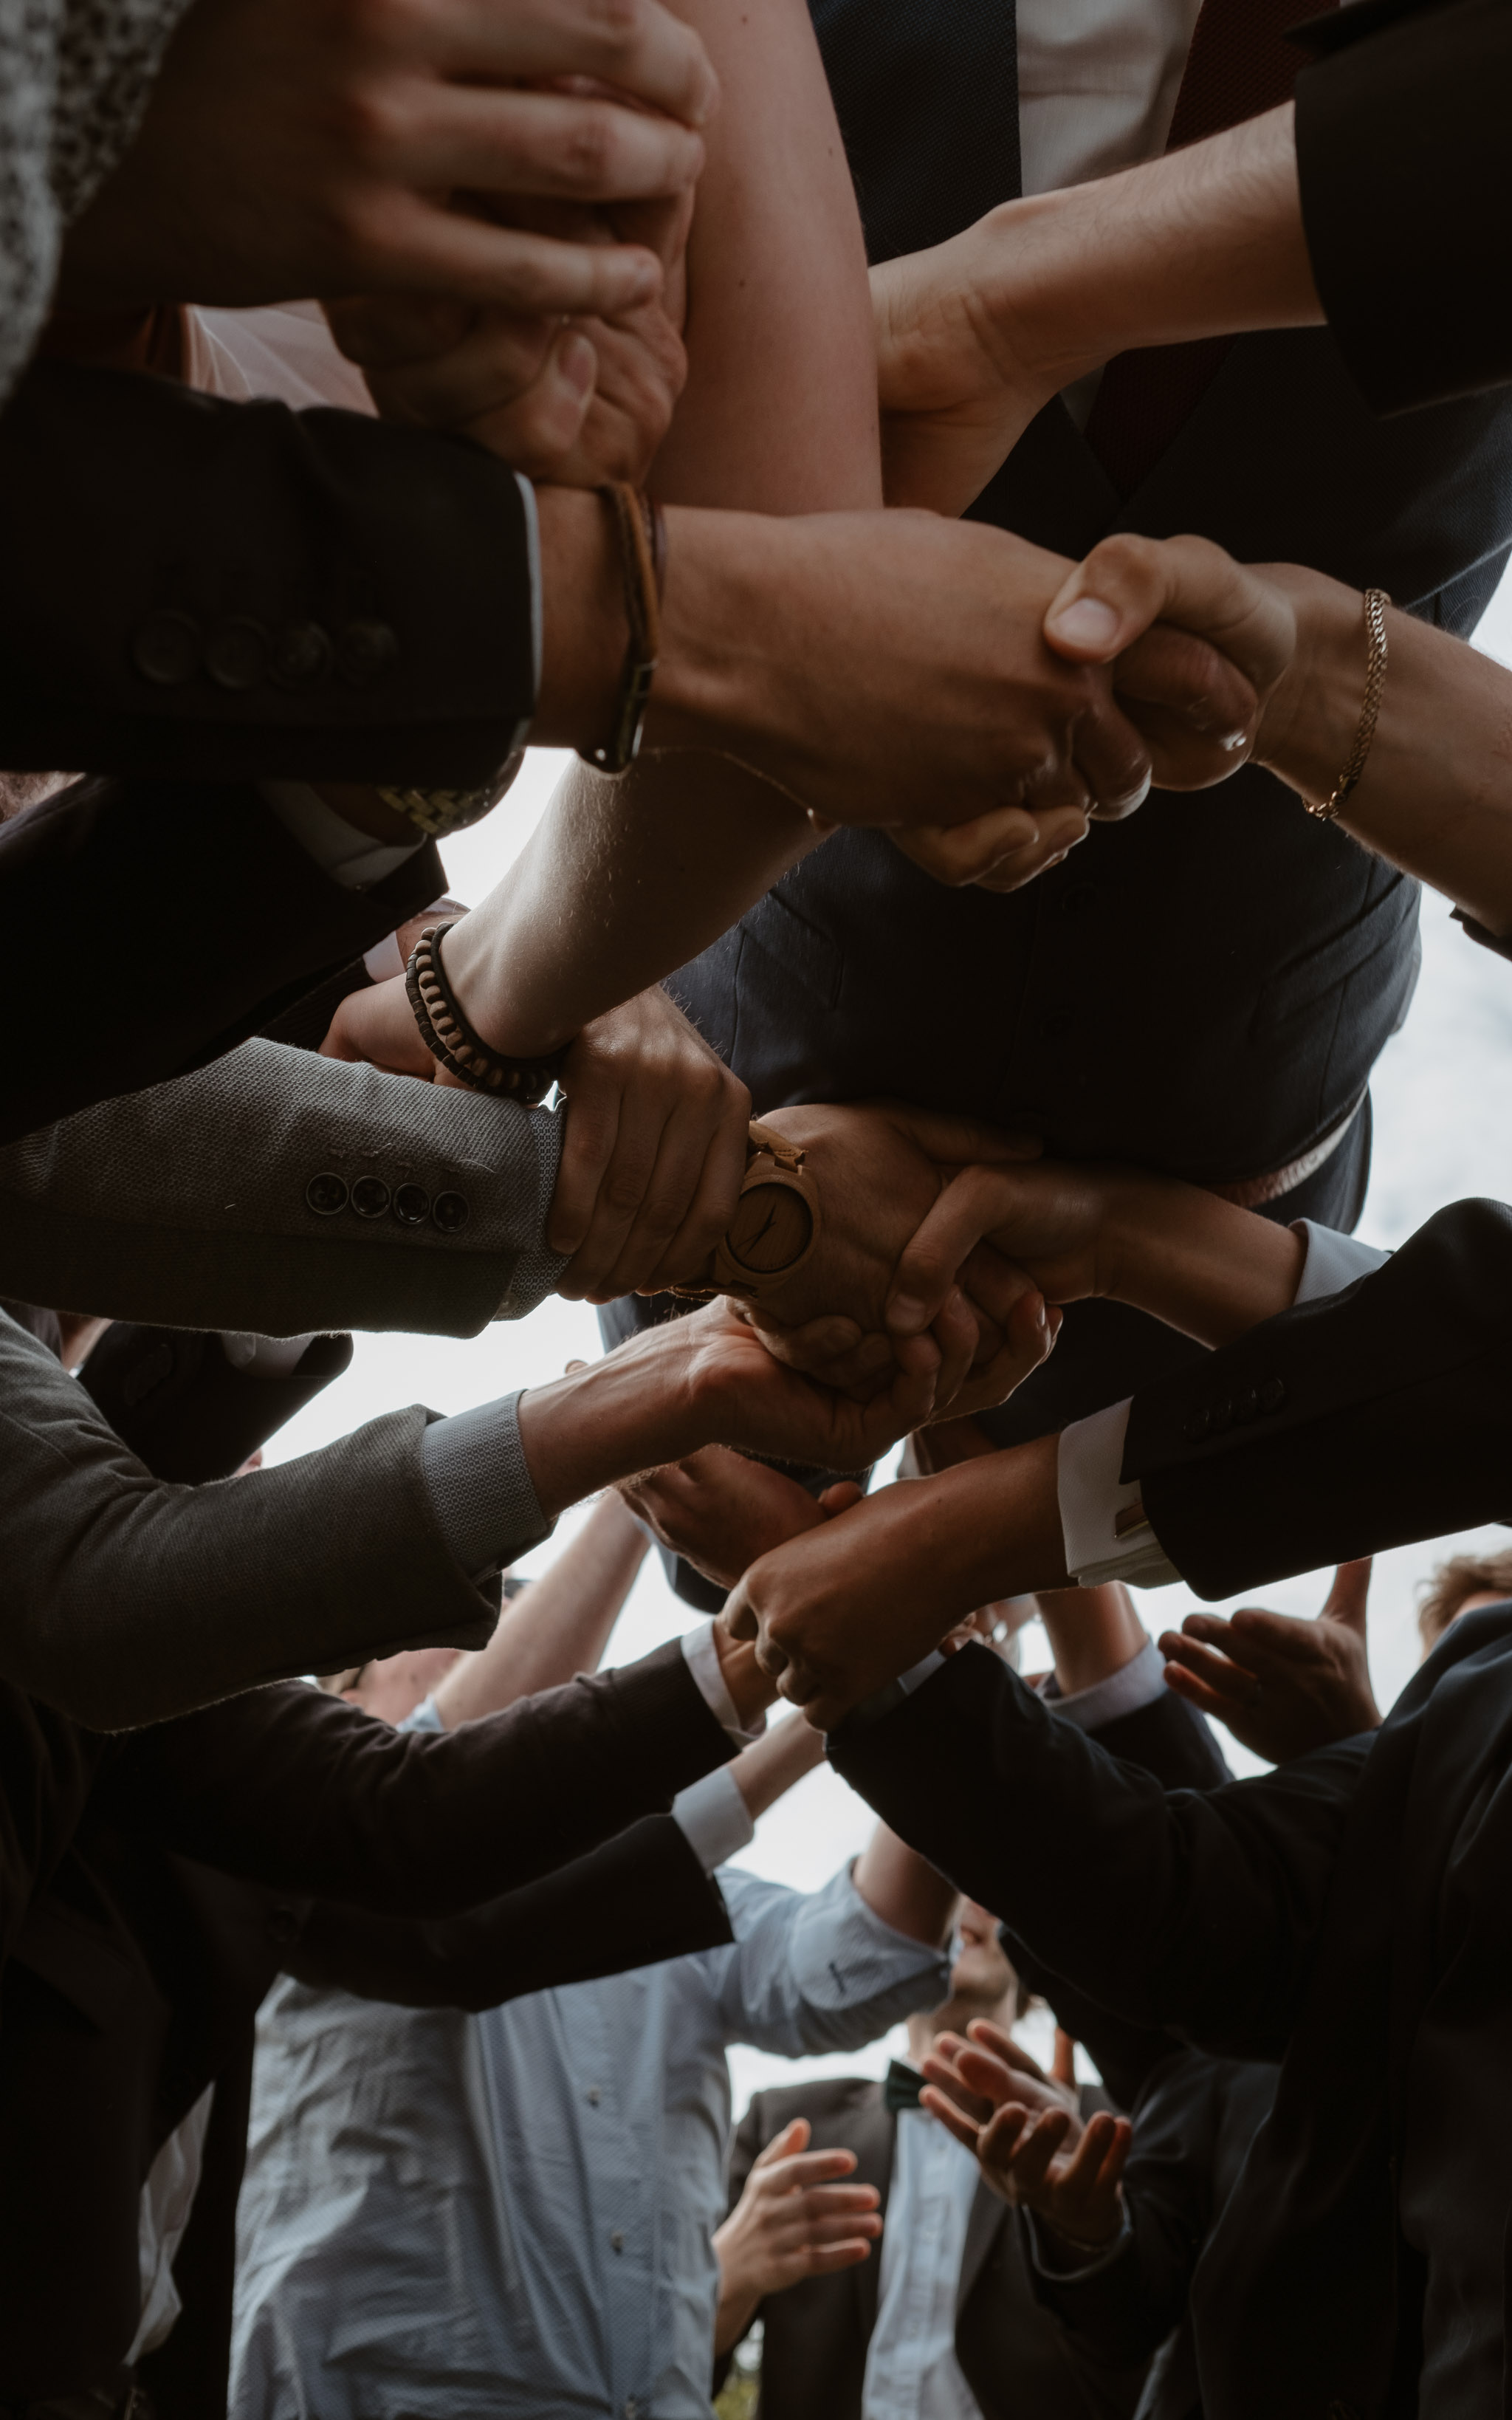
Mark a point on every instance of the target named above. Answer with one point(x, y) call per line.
point(703, 1663)
point(349, 857)
point(714, 1818)
point(1333, 1261)
point(1090, 2267)
point(1137, 1684)
point(1102, 1520)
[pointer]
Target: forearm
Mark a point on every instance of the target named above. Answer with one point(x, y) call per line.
point(903, 1889)
point(1206, 242)
point(1436, 794)
point(560, 1626)
point(740, 2293)
point(1199, 1263)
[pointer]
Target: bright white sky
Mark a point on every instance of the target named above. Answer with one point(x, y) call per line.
point(1441, 1132)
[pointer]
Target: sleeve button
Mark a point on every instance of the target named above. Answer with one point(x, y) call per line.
point(449, 1213)
point(165, 649)
point(326, 1194)
point(411, 1205)
point(1273, 1394)
point(1246, 1405)
point(370, 1197)
point(1197, 1425)
point(1223, 1417)
point(302, 656)
point(364, 651)
point(236, 656)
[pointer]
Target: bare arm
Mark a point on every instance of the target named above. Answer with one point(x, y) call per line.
point(903, 1889)
point(1093, 1633)
point(559, 1627)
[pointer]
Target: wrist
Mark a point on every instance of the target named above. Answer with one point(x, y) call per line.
point(1031, 262)
point(583, 627)
point(1311, 718)
point(627, 1413)
point(730, 591)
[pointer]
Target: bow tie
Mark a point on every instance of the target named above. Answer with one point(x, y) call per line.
point(901, 2087)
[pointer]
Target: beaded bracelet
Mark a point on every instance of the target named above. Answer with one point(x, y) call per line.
point(642, 533)
point(449, 1037)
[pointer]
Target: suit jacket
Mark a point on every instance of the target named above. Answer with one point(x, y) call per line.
point(231, 1198)
point(1194, 2123)
point(1407, 194)
point(1369, 1420)
point(1205, 987)
point(1020, 2365)
point(175, 1879)
point(1344, 1916)
point(222, 591)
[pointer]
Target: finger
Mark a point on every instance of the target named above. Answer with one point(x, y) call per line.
point(997, 2143)
point(831, 2257)
point(961, 1142)
point(1061, 829)
point(1129, 583)
point(805, 2171)
point(956, 854)
point(717, 1191)
point(968, 1208)
point(641, 49)
point(384, 331)
point(1033, 1327)
point(1232, 1684)
point(1113, 760)
point(951, 2117)
point(999, 2044)
point(839, 2206)
point(1039, 2143)
point(842, 1497)
point(1174, 685)
point(793, 2136)
point(740, 1617)
point(562, 146)
point(423, 248)
point(1196, 1694)
point(956, 1333)
point(1348, 1597)
point(588, 1144)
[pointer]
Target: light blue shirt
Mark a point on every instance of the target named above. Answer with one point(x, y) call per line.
point(912, 2372)
point(512, 2215)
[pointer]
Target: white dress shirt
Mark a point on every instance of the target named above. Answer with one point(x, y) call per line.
point(1097, 81)
point(1091, 1454)
point(912, 2372)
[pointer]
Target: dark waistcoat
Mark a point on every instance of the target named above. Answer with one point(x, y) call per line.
point(1205, 987)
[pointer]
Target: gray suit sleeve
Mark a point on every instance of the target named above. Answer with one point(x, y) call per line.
point(130, 1598)
point(283, 1193)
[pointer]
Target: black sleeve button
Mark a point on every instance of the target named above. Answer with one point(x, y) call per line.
point(449, 1213)
point(326, 1194)
point(370, 1197)
point(364, 651)
point(411, 1205)
point(1223, 1417)
point(1246, 1405)
point(302, 656)
point(165, 649)
point(1194, 1428)
point(1273, 1394)
point(235, 655)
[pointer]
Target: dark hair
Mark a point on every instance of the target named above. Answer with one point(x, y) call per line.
point(1461, 1576)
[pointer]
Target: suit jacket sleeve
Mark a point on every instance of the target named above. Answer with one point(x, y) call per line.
point(205, 1202)
point(301, 1792)
point(1200, 1909)
point(227, 591)
point(1406, 176)
point(1372, 1418)
point(128, 1598)
point(641, 1897)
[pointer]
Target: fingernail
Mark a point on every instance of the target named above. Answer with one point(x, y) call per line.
point(578, 365)
point(1088, 622)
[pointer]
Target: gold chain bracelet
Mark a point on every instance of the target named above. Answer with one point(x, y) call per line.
point(1376, 602)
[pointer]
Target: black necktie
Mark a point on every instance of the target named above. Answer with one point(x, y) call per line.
point(1240, 64)
point(901, 2087)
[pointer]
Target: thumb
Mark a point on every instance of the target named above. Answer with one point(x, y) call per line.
point(1347, 1597)
point(793, 2137)
point(1128, 582)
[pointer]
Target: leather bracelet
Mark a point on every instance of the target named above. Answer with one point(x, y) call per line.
point(642, 535)
point(437, 812)
point(776, 1224)
point(449, 1037)
point(1376, 602)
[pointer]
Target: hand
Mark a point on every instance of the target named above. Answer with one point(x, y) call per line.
point(720, 1510)
point(320, 146)
point(1282, 1687)
point(1107, 614)
point(576, 401)
point(1051, 1222)
point(1031, 2144)
point(794, 2220)
point(655, 1148)
point(841, 1611)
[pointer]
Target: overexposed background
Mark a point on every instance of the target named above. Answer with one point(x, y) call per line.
point(1441, 1132)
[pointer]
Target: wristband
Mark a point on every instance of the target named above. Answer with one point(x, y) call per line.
point(449, 1037)
point(642, 535)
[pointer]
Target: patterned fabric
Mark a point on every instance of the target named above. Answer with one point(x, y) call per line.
point(74, 78)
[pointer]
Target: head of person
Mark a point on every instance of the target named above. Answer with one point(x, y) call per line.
point(1461, 1585)
point(392, 1686)
point(982, 1982)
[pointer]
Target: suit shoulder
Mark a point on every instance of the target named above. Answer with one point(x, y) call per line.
point(822, 2097)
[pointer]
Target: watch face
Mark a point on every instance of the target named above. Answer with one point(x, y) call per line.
point(772, 1228)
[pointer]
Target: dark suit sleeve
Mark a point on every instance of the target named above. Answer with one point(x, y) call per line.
point(194, 918)
point(641, 1897)
point(1373, 1419)
point(234, 590)
point(298, 1791)
point(1406, 176)
point(1200, 1909)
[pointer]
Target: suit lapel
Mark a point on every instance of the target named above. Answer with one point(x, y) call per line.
point(872, 2133)
point(988, 2216)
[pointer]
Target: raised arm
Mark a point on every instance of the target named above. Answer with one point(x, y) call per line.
point(559, 1626)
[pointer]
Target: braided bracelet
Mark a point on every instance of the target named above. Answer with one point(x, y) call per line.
point(1376, 602)
point(449, 1037)
point(642, 533)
